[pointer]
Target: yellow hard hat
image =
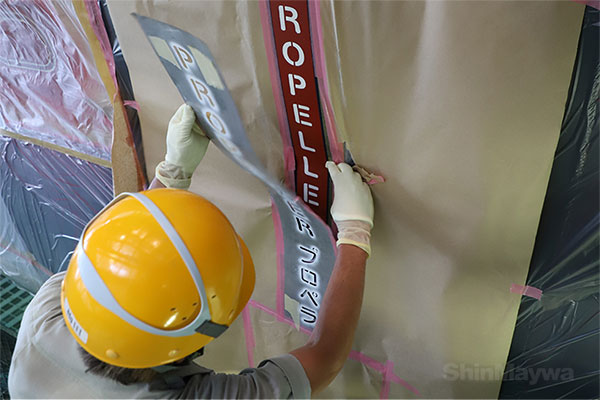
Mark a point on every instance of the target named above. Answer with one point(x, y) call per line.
point(155, 277)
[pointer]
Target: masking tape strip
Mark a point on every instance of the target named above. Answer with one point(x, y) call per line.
point(274, 313)
point(249, 335)
point(368, 177)
point(127, 169)
point(389, 376)
point(366, 360)
point(132, 103)
point(387, 370)
point(279, 242)
point(528, 291)
point(97, 25)
point(55, 147)
point(385, 388)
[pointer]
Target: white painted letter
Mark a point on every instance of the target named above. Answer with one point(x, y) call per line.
point(286, 49)
point(298, 114)
point(310, 190)
point(293, 86)
point(303, 145)
point(306, 171)
point(293, 18)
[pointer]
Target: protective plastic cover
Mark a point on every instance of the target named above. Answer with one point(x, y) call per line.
point(50, 88)
point(58, 108)
point(458, 105)
point(555, 347)
point(46, 198)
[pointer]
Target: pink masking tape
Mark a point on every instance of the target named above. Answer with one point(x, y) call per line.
point(279, 295)
point(396, 379)
point(280, 318)
point(289, 158)
point(132, 103)
point(386, 370)
point(526, 291)
point(375, 180)
point(385, 388)
point(369, 177)
point(249, 334)
point(95, 17)
point(366, 360)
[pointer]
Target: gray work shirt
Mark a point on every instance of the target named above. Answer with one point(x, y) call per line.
point(46, 364)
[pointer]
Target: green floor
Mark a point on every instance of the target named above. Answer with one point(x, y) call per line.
point(13, 301)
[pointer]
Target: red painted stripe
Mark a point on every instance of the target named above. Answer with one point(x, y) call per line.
point(249, 334)
point(292, 44)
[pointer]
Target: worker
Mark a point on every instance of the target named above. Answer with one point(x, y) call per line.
point(159, 274)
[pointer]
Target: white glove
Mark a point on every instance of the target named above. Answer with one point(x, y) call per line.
point(186, 146)
point(352, 208)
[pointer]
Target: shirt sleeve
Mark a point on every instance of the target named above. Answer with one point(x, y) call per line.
point(280, 377)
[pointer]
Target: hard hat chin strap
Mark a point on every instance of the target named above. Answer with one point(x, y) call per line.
point(99, 291)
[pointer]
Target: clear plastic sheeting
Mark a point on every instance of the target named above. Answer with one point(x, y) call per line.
point(46, 198)
point(50, 88)
point(16, 261)
point(555, 348)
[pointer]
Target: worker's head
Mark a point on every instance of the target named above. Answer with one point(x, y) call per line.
point(155, 277)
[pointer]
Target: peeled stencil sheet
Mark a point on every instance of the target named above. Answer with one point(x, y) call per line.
point(306, 242)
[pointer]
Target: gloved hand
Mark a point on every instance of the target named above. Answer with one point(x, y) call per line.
point(186, 146)
point(352, 208)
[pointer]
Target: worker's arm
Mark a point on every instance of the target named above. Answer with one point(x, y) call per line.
point(186, 146)
point(328, 347)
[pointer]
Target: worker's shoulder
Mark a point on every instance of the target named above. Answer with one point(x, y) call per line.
point(48, 296)
point(45, 305)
